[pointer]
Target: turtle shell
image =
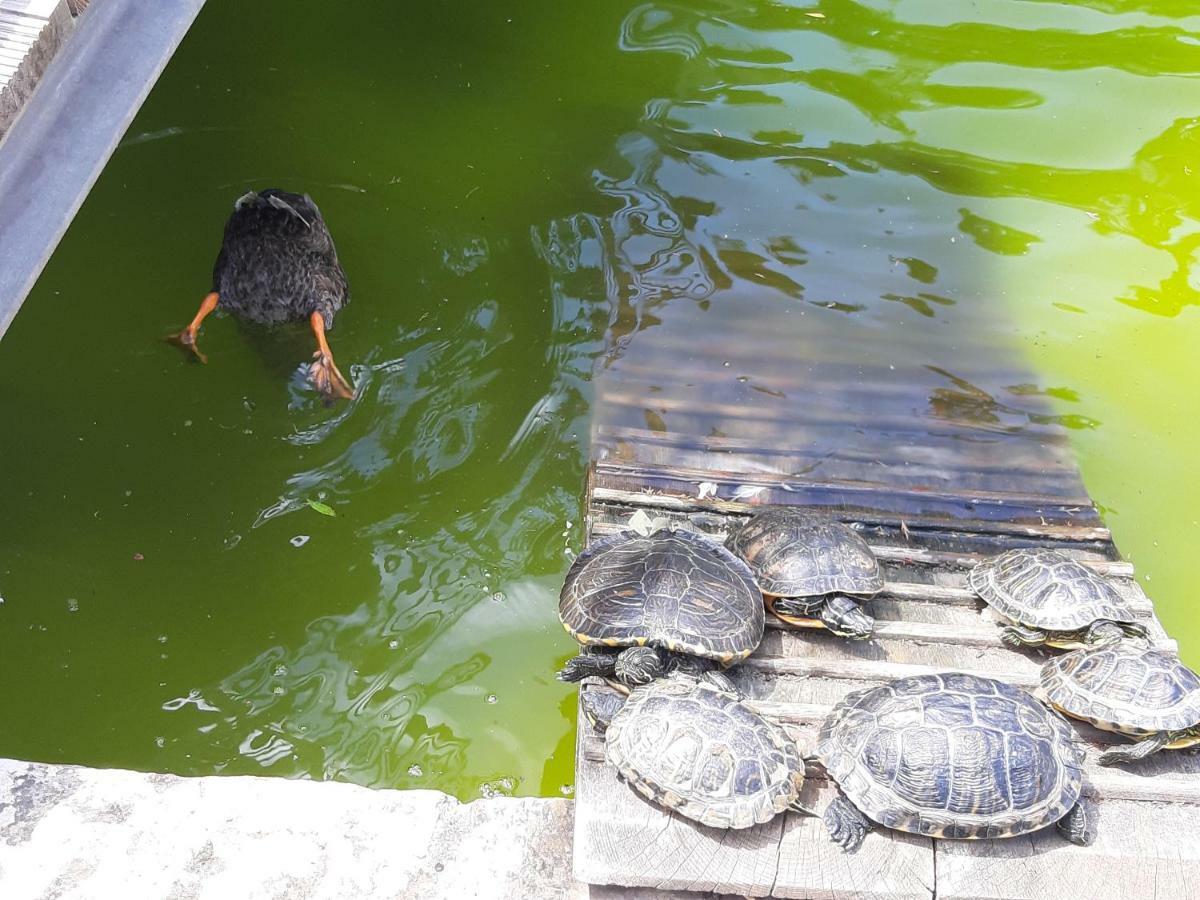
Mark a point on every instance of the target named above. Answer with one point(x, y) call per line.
point(797, 553)
point(674, 590)
point(1124, 688)
point(1047, 589)
point(693, 748)
point(952, 755)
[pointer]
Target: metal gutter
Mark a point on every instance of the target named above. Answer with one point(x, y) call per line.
point(59, 144)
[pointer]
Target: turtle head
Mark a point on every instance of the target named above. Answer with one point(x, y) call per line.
point(1104, 633)
point(639, 665)
point(845, 618)
point(600, 706)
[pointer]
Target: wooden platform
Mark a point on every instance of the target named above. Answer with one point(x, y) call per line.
point(710, 411)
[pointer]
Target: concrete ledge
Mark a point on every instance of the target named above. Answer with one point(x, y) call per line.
point(54, 151)
point(71, 832)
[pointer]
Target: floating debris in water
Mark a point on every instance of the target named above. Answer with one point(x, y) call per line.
point(232, 541)
point(498, 596)
point(567, 790)
point(323, 508)
point(501, 787)
point(393, 645)
point(137, 557)
point(299, 540)
point(492, 698)
point(415, 771)
point(72, 605)
point(160, 742)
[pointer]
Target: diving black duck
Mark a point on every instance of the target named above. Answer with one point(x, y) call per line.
point(278, 264)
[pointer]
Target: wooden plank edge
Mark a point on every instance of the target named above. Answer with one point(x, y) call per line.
point(1071, 533)
point(798, 483)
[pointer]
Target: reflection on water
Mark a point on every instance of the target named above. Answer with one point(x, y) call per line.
point(954, 221)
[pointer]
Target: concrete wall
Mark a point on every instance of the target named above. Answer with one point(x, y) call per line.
point(71, 832)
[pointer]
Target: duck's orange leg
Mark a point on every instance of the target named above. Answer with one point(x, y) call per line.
point(187, 338)
point(324, 373)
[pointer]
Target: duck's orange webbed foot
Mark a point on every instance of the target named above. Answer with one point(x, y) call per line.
point(328, 378)
point(187, 338)
point(325, 375)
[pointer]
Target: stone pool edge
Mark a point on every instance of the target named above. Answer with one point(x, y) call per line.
point(72, 831)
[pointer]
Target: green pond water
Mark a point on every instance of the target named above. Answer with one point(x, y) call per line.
point(493, 173)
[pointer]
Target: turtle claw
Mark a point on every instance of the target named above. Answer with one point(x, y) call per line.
point(1078, 825)
point(845, 824)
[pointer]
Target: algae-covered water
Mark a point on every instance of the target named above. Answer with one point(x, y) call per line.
point(492, 174)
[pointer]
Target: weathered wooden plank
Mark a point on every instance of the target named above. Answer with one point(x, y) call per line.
point(688, 502)
point(782, 640)
point(889, 544)
point(1141, 850)
point(959, 502)
point(898, 463)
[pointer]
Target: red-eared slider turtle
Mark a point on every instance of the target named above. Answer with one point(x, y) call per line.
point(695, 748)
point(632, 600)
point(951, 756)
point(807, 566)
point(1146, 694)
point(1052, 599)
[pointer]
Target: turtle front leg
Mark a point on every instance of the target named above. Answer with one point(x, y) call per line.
point(845, 823)
point(601, 663)
point(1137, 751)
point(1079, 824)
point(1022, 636)
point(1103, 634)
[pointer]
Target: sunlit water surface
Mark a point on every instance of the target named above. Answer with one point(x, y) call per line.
point(499, 179)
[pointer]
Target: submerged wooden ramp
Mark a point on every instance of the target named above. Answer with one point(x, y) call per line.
point(706, 413)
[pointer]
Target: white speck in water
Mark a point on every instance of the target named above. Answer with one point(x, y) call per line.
point(393, 645)
point(567, 790)
point(187, 423)
point(492, 698)
point(232, 541)
point(160, 742)
point(299, 540)
point(72, 605)
point(498, 596)
point(415, 771)
point(162, 638)
point(277, 690)
point(280, 671)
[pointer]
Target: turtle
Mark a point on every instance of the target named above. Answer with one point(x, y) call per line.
point(644, 605)
point(1050, 598)
point(1146, 694)
point(693, 746)
point(807, 567)
point(951, 755)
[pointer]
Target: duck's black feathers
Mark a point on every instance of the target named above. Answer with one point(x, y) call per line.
point(277, 261)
